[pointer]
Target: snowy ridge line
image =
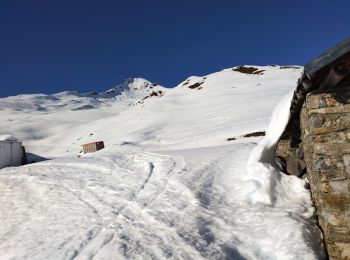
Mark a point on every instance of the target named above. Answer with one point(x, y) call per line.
point(131, 92)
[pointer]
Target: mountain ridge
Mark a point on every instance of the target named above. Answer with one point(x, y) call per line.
point(136, 111)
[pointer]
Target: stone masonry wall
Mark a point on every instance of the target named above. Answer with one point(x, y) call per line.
point(325, 125)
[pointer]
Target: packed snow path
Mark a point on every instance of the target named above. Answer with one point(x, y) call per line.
point(187, 204)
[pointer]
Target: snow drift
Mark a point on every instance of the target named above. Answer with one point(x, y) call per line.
point(8, 138)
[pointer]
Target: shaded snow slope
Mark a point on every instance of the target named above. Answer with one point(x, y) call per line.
point(168, 184)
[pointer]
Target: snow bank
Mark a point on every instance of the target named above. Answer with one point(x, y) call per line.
point(8, 138)
point(268, 184)
point(269, 187)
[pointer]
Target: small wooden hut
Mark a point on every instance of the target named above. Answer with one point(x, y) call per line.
point(93, 147)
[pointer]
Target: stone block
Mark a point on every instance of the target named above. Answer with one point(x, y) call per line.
point(336, 218)
point(315, 102)
point(334, 203)
point(339, 187)
point(331, 123)
point(332, 137)
point(338, 234)
point(330, 174)
point(331, 102)
point(338, 251)
point(331, 148)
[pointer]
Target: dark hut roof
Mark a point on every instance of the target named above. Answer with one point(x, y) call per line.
point(327, 57)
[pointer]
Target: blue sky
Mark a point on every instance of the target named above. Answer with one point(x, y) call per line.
point(49, 46)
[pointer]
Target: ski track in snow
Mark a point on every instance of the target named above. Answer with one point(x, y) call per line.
point(182, 207)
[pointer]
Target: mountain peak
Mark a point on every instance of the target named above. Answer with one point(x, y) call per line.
point(131, 84)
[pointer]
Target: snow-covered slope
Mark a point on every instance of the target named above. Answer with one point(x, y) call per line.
point(128, 93)
point(172, 182)
point(227, 104)
point(37, 117)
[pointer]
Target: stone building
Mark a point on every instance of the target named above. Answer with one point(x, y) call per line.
point(316, 143)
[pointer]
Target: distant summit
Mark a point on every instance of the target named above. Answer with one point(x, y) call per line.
point(136, 89)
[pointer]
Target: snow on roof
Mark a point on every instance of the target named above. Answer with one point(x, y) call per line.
point(8, 138)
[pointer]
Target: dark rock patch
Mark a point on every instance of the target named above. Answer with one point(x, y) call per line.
point(158, 93)
point(289, 67)
point(248, 70)
point(196, 85)
point(255, 134)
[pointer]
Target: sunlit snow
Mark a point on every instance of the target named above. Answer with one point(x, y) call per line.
point(176, 180)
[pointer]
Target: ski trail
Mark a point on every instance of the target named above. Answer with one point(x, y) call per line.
point(185, 204)
point(160, 168)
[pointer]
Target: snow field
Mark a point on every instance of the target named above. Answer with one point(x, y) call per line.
point(168, 184)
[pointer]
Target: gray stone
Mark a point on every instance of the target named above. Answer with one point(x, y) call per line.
point(316, 121)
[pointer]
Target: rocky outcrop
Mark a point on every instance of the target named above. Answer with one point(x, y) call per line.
point(325, 134)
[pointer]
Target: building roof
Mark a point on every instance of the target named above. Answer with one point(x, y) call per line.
point(92, 143)
point(327, 57)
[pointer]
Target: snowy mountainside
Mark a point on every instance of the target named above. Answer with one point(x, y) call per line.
point(180, 177)
point(36, 117)
point(223, 106)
